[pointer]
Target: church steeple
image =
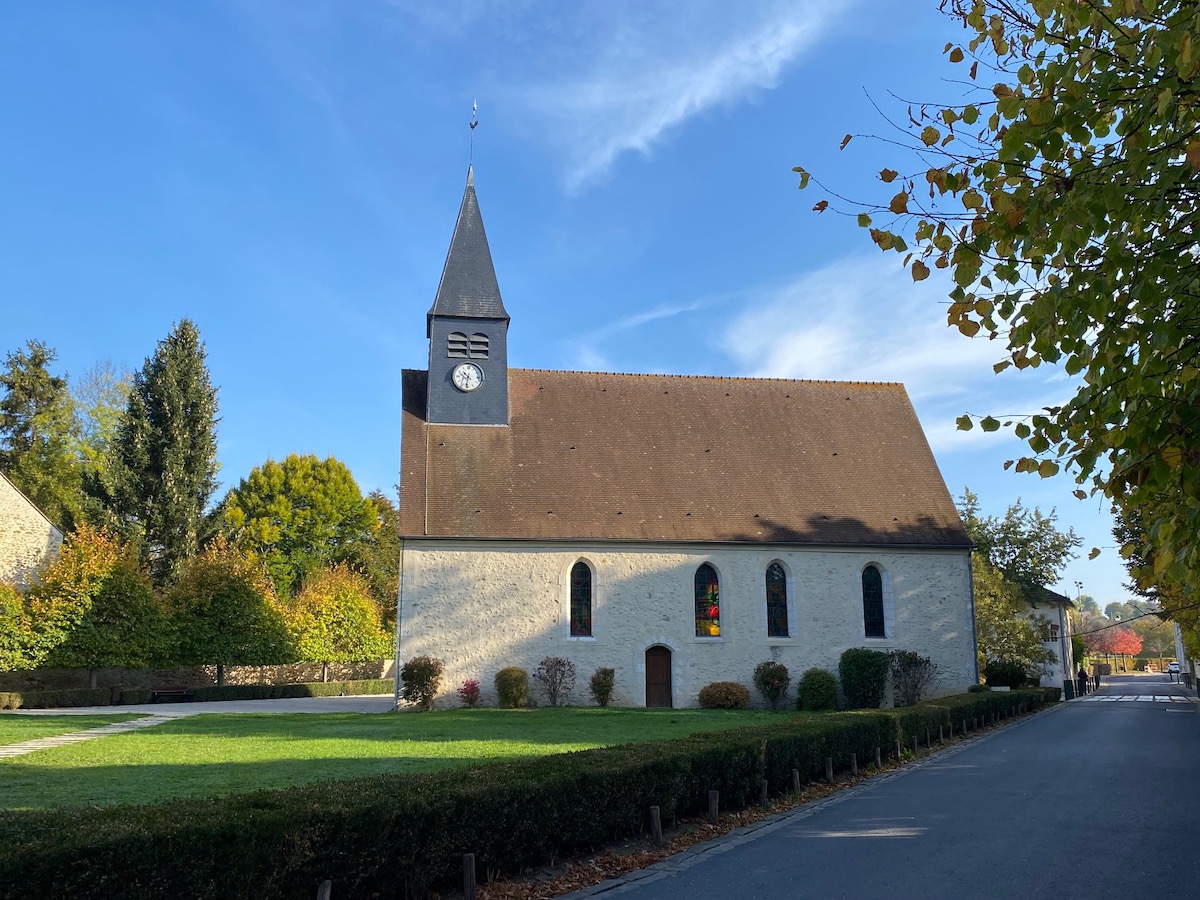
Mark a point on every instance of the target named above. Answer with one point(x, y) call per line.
point(468, 287)
point(467, 327)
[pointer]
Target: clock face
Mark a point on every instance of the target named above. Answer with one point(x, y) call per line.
point(467, 377)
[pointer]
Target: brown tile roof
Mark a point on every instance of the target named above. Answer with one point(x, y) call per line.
point(590, 455)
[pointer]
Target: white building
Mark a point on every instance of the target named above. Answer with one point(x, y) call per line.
point(27, 538)
point(1050, 613)
point(679, 530)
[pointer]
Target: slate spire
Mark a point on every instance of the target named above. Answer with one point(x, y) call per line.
point(468, 288)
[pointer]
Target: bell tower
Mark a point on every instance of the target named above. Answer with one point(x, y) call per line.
point(467, 328)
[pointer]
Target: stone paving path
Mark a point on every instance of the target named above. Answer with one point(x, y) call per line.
point(75, 737)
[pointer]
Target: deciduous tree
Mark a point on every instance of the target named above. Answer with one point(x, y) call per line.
point(1003, 628)
point(1025, 545)
point(297, 516)
point(165, 452)
point(1062, 201)
point(334, 619)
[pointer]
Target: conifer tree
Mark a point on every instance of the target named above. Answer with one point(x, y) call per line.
point(164, 467)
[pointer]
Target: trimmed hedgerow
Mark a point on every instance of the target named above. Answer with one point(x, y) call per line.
point(55, 699)
point(817, 691)
point(405, 834)
point(286, 691)
point(724, 695)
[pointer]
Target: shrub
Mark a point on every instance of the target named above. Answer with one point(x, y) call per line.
point(556, 675)
point(512, 687)
point(55, 699)
point(601, 685)
point(468, 694)
point(816, 691)
point(287, 691)
point(422, 675)
point(135, 696)
point(977, 689)
point(912, 674)
point(864, 677)
point(725, 695)
point(772, 680)
point(1004, 673)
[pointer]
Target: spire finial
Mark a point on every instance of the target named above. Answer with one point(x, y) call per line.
point(474, 124)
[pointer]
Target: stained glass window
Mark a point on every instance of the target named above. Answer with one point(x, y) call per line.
point(777, 616)
point(708, 602)
point(581, 600)
point(872, 588)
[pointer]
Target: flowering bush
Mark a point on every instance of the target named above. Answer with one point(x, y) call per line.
point(468, 694)
point(772, 680)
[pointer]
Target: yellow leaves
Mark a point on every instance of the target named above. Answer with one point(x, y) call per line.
point(972, 199)
point(887, 176)
point(920, 271)
point(864, 221)
point(804, 176)
point(1095, 550)
point(1172, 456)
point(1001, 90)
point(899, 203)
point(930, 135)
point(1193, 155)
point(956, 55)
point(970, 328)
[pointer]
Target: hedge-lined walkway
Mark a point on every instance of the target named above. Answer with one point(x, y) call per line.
point(76, 737)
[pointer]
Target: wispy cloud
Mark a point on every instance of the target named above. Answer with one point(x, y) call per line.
point(862, 319)
point(644, 70)
point(588, 349)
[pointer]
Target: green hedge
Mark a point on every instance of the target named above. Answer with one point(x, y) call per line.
point(286, 691)
point(55, 699)
point(103, 696)
point(406, 833)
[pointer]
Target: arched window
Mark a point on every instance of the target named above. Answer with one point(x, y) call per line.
point(581, 600)
point(708, 602)
point(479, 346)
point(872, 590)
point(777, 619)
point(456, 345)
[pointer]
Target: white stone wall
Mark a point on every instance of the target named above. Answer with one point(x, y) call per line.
point(481, 606)
point(1056, 672)
point(27, 538)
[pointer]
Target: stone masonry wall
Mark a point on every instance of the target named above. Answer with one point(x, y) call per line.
point(27, 538)
point(483, 606)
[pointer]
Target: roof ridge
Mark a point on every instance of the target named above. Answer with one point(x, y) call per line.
point(757, 378)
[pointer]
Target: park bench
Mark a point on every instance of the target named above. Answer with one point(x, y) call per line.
point(171, 695)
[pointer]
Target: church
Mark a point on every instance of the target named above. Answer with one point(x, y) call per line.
point(677, 529)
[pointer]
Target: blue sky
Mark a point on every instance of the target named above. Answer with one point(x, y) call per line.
point(286, 173)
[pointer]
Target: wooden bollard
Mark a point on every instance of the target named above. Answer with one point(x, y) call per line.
point(915, 745)
point(829, 770)
point(897, 749)
point(762, 793)
point(853, 764)
point(796, 781)
point(941, 734)
point(878, 758)
point(951, 729)
point(714, 805)
point(964, 727)
point(325, 890)
point(928, 739)
point(468, 876)
point(656, 825)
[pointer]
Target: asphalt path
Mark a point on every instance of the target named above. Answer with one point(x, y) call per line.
point(1096, 798)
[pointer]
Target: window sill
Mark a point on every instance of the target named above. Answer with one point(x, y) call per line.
point(716, 639)
point(583, 638)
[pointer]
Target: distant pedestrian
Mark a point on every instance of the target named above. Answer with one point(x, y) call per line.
point(1083, 681)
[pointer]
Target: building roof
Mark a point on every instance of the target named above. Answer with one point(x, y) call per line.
point(1045, 595)
point(468, 287)
point(590, 455)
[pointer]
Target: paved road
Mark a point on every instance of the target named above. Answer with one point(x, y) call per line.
point(1093, 799)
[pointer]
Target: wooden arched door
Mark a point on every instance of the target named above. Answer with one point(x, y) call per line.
point(658, 677)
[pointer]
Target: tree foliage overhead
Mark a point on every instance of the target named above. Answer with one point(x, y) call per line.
point(165, 451)
point(1061, 197)
point(297, 516)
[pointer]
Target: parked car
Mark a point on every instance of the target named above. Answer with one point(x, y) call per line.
point(1173, 668)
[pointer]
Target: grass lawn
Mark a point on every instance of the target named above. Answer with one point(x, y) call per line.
point(18, 727)
point(224, 754)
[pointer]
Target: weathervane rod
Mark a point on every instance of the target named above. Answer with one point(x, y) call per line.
point(474, 123)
